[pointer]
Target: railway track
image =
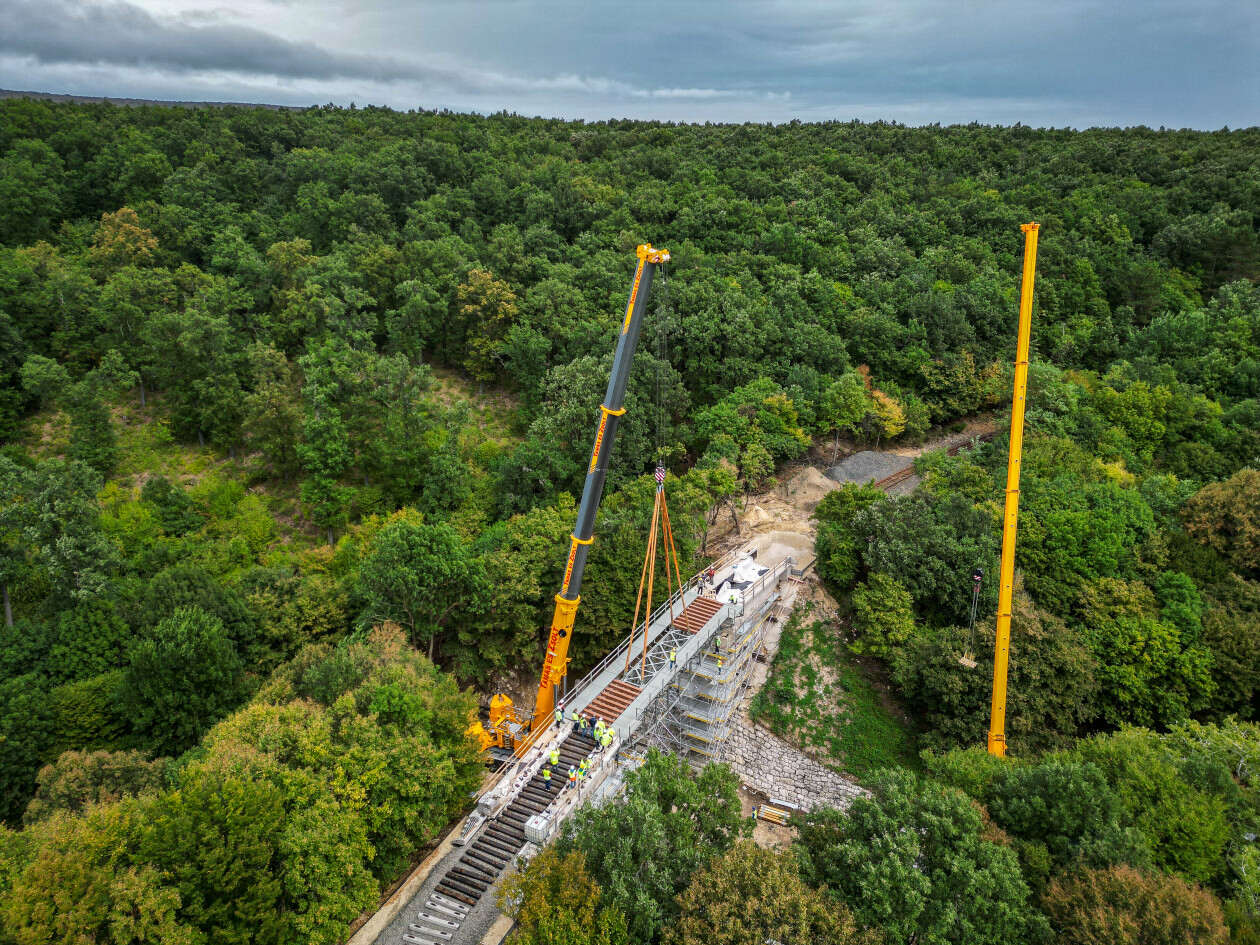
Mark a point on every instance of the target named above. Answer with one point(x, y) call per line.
point(476, 872)
point(903, 474)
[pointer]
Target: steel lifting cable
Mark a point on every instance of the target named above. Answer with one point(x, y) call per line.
point(661, 525)
point(968, 659)
point(664, 310)
point(661, 311)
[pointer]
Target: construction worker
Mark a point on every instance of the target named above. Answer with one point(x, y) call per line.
point(572, 776)
point(599, 729)
point(584, 767)
point(554, 757)
point(719, 665)
point(547, 778)
point(560, 714)
point(673, 657)
point(581, 776)
point(606, 740)
point(584, 724)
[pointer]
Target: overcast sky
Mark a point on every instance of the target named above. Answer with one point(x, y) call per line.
point(1192, 63)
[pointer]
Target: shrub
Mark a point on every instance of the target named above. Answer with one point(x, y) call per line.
point(1122, 906)
point(1186, 827)
point(86, 713)
point(78, 778)
point(750, 896)
point(883, 616)
point(1063, 813)
point(554, 900)
point(644, 848)
point(1052, 683)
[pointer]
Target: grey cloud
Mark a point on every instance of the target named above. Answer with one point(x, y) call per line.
point(1077, 62)
point(62, 31)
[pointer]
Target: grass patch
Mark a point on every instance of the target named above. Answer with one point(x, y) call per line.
point(820, 698)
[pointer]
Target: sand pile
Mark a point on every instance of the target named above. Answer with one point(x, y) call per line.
point(755, 516)
point(806, 489)
point(773, 547)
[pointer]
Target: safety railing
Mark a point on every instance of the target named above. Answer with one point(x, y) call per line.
point(728, 691)
point(498, 774)
point(804, 569)
point(678, 597)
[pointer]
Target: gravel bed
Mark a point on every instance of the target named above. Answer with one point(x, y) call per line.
point(868, 466)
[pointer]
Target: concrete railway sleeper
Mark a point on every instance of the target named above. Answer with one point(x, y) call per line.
point(469, 879)
point(449, 904)
point(437, 921)
point(440, 905)
point(444, 934)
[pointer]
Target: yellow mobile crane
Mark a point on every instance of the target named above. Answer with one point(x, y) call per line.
point(1010, 516)
point(506, 729)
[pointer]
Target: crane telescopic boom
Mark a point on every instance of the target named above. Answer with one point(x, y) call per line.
point(1010, 515)
point(556, 662)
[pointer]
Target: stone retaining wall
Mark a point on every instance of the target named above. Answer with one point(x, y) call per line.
point(771, 766)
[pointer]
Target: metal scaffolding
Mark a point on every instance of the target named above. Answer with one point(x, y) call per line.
point(693, 714)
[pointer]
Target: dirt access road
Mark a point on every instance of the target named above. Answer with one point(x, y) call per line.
point(779, 520)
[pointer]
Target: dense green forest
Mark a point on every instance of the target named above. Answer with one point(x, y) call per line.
point(294, 406)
